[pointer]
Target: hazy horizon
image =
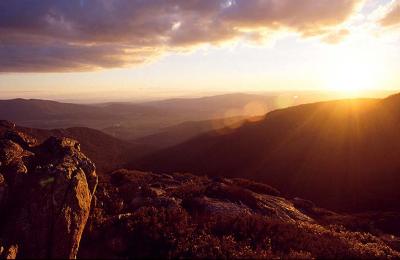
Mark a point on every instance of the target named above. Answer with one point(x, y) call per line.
point(89, 98)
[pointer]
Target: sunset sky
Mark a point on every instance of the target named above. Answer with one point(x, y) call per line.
point(129, 49)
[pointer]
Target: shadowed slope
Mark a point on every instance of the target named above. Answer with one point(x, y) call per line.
point(341, 154)
point(174, 135)
point(107, 152)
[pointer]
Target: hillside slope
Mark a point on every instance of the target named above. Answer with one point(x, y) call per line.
point(107, 152)
point(341, 154)
point(180, 133)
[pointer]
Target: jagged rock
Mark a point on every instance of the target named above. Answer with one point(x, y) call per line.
point(10, 252)
point(49, 191)
point(61, 145)
point(21, 138)
point(9, 152)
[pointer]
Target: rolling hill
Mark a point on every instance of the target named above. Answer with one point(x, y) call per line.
point(131, 121)
point(341, 154)
point(51, 114)
point(108, 153)
point(176, 134)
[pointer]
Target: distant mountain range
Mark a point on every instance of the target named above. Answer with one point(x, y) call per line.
point(131, 121)
point(341, 154)
point(112, 134)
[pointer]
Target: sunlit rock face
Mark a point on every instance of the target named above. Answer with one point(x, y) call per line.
point(45, 195)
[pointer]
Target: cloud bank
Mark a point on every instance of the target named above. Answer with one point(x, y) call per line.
point(81, 35)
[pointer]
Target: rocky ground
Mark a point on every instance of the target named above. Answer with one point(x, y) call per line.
point(140, 214)
point(50, 208)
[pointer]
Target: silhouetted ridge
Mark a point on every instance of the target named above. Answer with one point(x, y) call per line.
point(340, 154)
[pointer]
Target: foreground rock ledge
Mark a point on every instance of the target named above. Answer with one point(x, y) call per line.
point(45, 195)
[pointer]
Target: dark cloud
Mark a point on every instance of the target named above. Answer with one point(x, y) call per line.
point(61, 57)
point(393, 17)
point(74, 35)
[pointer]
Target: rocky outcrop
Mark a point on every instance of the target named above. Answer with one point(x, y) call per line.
point(148, 215)
point(45, 195)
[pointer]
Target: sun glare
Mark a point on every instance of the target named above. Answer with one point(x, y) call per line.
point(351, 78)
point(352, 74)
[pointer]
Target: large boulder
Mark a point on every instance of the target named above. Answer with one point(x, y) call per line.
point(45, 195)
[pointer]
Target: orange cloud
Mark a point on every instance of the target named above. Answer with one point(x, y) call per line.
point(336, 36)
point(392, 17)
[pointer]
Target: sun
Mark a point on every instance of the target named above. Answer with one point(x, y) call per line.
point(351, 74)
point(351, 78)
